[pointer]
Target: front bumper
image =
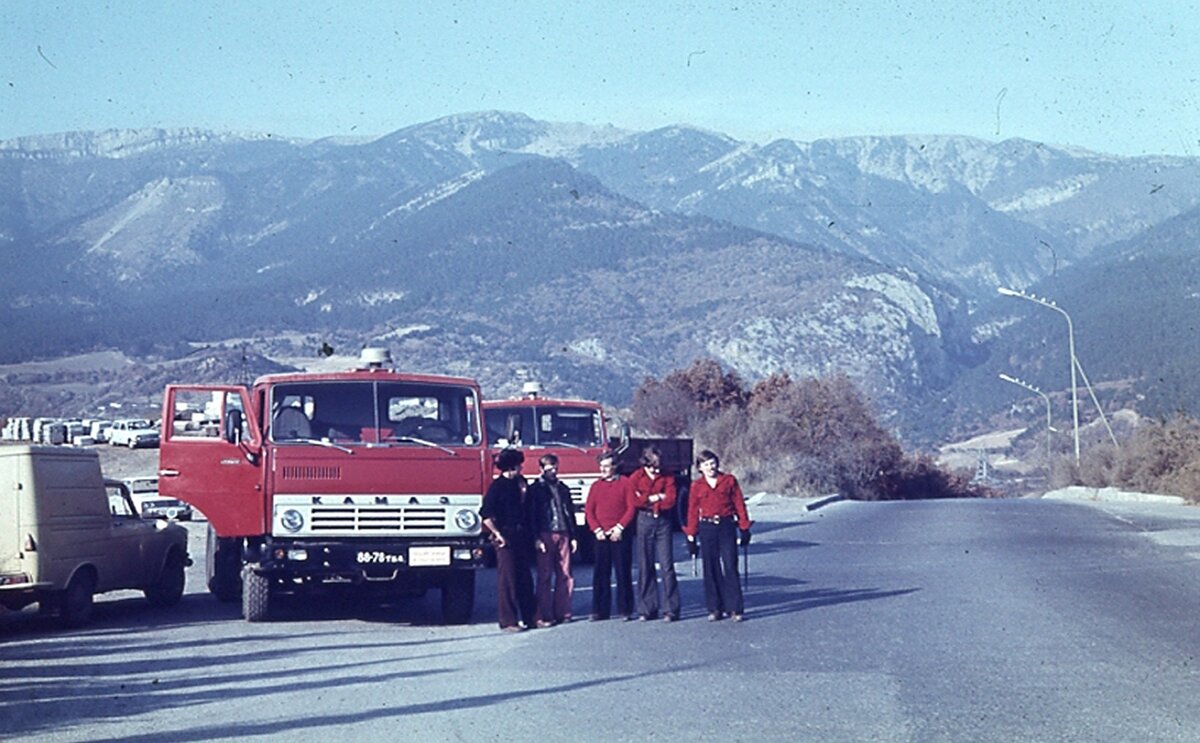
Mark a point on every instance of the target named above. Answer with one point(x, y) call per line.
point(418, 562)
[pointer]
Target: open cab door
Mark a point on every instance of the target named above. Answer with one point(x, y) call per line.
point(211, 456)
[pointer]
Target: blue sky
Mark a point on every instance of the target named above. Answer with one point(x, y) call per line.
point(1120, 77)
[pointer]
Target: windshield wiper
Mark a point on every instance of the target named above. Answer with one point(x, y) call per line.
point(318, 442)
point(423, 442)
point(576, 447)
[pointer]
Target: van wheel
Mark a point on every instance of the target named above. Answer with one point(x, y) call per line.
point(223, 567)
point(256, 596)
point(168, 589)
point(76, 609)
point(458, 597)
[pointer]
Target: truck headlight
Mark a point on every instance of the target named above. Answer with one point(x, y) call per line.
point(466, 519)
point(292, 520)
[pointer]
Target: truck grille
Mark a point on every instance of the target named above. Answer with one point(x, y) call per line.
point(579, 487)
point(380, 520)
point(576, 494)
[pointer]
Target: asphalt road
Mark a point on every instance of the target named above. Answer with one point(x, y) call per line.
point(929, 621)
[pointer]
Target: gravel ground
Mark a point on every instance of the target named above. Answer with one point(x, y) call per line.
point(119, 463)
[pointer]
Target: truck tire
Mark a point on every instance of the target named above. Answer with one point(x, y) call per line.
point(458, 597)
point(223, 567)
point(168, 588)
point(256, 596)
point(75, 609)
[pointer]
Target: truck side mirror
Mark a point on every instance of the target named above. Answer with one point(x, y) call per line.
point(621, 444)
point(233, 426)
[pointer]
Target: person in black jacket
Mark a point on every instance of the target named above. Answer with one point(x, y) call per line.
point(505, 513)
point(553, 518)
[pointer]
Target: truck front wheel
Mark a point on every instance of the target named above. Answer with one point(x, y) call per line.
point(458, 597)
point(223, 567)
point(256, 596)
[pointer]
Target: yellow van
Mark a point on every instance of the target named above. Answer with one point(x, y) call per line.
point(64, 538)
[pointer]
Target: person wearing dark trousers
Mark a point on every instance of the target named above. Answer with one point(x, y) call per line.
point(553, 518)
point(653, 499)
point(717, 515)
point(609, 512)
point(505, 513)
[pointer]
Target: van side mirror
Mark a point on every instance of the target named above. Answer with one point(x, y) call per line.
point(233, 426)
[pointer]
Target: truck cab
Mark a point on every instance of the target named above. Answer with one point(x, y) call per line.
point(573, 430)
point(367, 480)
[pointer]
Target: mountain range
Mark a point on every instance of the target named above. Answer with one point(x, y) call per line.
point(506, 248)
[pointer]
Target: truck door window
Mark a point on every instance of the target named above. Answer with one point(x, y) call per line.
point(198, 414)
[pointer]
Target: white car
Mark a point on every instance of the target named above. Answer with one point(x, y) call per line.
point(151, 505)
point(133, 432)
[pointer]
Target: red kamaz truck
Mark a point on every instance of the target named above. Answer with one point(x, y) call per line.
point(574, 430)
point(367, 480)
point(577, 432)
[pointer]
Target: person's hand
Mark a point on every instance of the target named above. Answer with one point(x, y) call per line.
point(615, 534)
point(541, 546)
point(599, 534)
point(744, 537)
point(693, 548)
point(574, 545)
point(499, 538)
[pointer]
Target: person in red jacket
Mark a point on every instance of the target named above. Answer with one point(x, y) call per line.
point(653, 498)
point(717, 515)
point(609, 512)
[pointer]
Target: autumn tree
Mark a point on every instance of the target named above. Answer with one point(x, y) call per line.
point(686, 397)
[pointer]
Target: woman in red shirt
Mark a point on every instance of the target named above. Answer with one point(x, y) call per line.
point(717, 515)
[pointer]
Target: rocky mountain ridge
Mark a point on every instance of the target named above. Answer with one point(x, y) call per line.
point(502, 247)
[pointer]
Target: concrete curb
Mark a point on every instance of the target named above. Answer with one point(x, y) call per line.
point(824, 501)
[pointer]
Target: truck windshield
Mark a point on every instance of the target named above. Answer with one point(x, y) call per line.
point(374, 412)
point(545, 425)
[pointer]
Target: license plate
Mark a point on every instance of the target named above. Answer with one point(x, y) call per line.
point(376, 557)
point(420, 557)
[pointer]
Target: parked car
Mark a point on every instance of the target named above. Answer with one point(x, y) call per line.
point(133, 432)
point(67, 535)
point(99, 431)
point(150, 505)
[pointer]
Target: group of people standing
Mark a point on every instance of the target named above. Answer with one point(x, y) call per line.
point(534, 523)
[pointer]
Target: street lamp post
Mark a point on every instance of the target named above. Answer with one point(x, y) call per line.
point(1070, 348)
point(1049, 427)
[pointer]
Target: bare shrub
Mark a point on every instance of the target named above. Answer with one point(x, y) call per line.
point(809, 437)
point(661, 409)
